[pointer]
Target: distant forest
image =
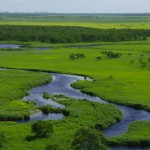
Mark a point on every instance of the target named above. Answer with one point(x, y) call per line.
point(75, 17)
point(62, 34)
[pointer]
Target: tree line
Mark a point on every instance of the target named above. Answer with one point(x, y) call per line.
point(69, 34)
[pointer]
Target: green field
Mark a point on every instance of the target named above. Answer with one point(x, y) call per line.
point(82, 113)
point(14, 85)
point(101, 21)
point(118, 80)
point(99, 25)
point(120, 73)
point(123, 80)
point(66, 17)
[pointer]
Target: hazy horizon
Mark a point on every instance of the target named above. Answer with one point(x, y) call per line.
point(76, 6)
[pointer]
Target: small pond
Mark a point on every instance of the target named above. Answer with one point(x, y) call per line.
point(12, 46)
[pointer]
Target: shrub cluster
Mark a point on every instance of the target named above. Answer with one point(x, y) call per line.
point(49, 109)
point(76, 56)
point(54, 97)
point(111, 55)
point(16, 117)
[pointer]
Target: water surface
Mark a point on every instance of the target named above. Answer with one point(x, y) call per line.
point(61, 85)
point(11, 46)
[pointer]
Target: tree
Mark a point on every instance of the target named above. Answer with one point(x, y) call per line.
point(42, 129)
point(88, 138)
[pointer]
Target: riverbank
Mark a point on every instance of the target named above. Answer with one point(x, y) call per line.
point(82, 113)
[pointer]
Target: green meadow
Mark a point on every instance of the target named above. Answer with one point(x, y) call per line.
point(14, 85)
point(123, 80)
point(99, 25)
point(120, 73)
point(101, 21)
point(82, 113)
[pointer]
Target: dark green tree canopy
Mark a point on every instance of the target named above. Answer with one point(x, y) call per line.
point(69, 34)
point(42, 129)
point(88, 138)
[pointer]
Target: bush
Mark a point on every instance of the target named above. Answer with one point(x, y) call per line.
point(76, 56)
point(14, 117)
point(49, 109)
point(46, 95)
point(88, 138)
point(111, 55)
point(98, 58)
point(42, 129)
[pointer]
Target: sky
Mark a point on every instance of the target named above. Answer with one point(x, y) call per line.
point(76, 6)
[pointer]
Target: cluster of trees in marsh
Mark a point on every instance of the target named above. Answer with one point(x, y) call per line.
point(76, 56)
point(67, 34)
point(111, 55)
point(86, 138)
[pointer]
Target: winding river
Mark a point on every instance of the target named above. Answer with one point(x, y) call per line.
point(61, 85)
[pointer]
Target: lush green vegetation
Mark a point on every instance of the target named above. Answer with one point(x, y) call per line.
point(97, 25)
point(14, 85)
point(76, 56)
point(60, 34)
point(137, 135)
point(82, 113)
point(120, 73)
point(42, 129)
point(54, 97)
point(122, 80)
point(111, 55)
point(49, 109)
point(20, 136)
point(88, 138)
point(101, 21)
